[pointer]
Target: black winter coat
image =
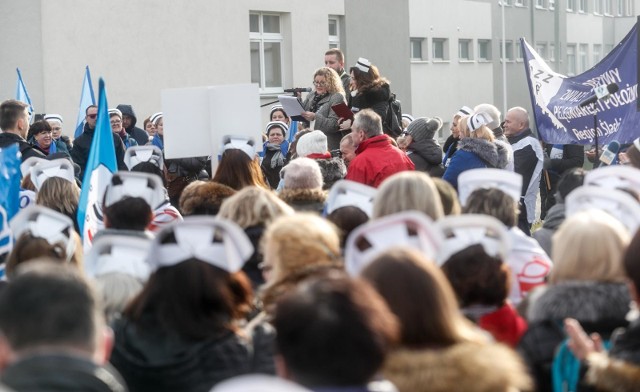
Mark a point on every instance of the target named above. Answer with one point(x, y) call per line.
point(82, 146)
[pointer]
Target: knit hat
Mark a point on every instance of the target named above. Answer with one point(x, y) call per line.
point(117, 112)
point(277, 124)
point(363, 64)
point(156, 117)
point(464, 111)
point(275, 108)
point(302, 173)
point(53, 117)
point(424, 128)
point(407, 117)
point(492, 111)
point(314, 142)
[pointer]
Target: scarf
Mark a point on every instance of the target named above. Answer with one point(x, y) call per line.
point(158, 141)
point(277, 160)
point(325, 155)
point(316, 99)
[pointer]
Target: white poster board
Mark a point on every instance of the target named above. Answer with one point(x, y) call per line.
point(196, 119)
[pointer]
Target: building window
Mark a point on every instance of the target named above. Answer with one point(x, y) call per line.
point(539, 3)
point(541, 48)
point(508, 55)
point(608, 7)
point(571, 60)
point(519, 3)
point(552, 5)
point(629, 8)
point(584, 57)
point(620, 8)
point(484, 49)
point(440, 49)
point(571, 5)
point(607, 49)
point(597, 53)
point(465, 50)
point(597, 7)
point(552, 53)
point(266, 51)
point(582, 6)
point(518, 50)
point(416, 49)
point(334, 32)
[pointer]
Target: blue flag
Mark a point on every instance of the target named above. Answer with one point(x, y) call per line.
point(556, 98)
point(10, 179)
point(100, 167)
point(86, 99)
point(293, 129)
point(21, 92)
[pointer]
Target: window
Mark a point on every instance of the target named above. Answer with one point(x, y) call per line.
point(508, 55)
point(620, 9)
point(552, 5)
point(519, 3)
point(597, 53)
point(440, 49)
point(571, 60)
point(608, 7)
point(334, 32)
point(539, 3)
point(597, 7)
point(416, 49)
point(484, 49)
point(584, 57)
point(582, 5)
point(541, 48)
point(607, 49)
point(571, 5)
point(266, 51)
point(518, 51)
point(629, 8)
point(465, 50)
point(552, 53)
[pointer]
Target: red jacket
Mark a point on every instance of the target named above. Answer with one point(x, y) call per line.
point(376, 159)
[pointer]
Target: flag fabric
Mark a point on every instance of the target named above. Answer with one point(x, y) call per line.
point(87, 99)
point(100, 167)
point(9, 195)
point(21, 92)
point(293, 129)
point(556, 98)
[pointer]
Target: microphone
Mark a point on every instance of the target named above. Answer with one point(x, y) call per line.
point(610, 153)
point(300, 90)
point(600, 92)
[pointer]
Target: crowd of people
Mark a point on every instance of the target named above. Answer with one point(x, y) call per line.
point(347, 260)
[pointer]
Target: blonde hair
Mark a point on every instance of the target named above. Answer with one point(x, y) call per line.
point(295, 245)
point(483, 132)
point(589, 246)
point(60, 195)
point(409, 190)
point(334, 83)
point(253, 206)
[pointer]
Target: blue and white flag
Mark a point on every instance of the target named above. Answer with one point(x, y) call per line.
point(100, 167)
point(9, 195)
point(21, 92)
point(293, 129)
point(86, 99)
point(556, 98)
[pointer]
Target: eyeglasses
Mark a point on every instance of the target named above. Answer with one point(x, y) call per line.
point(92, 116)
point(56, 129)
point(319, 84)
point(116, 122)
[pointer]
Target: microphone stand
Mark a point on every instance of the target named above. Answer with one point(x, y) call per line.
point(595, 128)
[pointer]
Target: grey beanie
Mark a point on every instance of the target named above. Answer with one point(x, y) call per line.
point(424, 128)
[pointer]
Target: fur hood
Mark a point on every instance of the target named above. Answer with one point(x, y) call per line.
point(586, 301)
point(332, 169)
point(462, 367)
point(505, 154)
point(304, 199)
point(485, 150)
point(611, 375)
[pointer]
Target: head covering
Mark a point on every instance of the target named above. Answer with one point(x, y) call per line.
point(277, 124)
point(477, 120)
point(463, 231)
point(619, 204)
point(258, 383)
point(464, 111)
point(275, 108)
point(424, 128)
point(148, 153)
point(363, 64)
point(215, 241)
point(614, 177)
point(116, 112)
point(134, 184)
point(155, 118)
point(507, 181)
point(117, 253)
point(407, 117)
point(243, 143)
point(314, 142)
point(46, 169)
point(302, 173)
point(345, 193)
point(53, 117)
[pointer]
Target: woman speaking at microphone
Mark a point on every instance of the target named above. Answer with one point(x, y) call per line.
point(328, 91)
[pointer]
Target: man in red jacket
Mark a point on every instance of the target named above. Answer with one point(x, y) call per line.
point(376, 156)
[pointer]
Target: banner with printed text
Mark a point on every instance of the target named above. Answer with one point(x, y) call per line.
point(556, 98)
